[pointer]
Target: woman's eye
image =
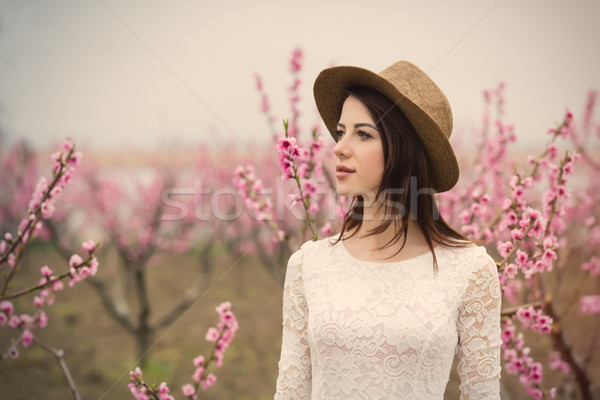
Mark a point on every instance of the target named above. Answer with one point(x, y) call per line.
point(364, 134)
point(339, 133)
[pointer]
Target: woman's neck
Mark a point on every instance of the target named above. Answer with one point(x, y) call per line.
point(369, 246)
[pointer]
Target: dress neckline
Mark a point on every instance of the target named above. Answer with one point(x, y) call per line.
point(408, 260)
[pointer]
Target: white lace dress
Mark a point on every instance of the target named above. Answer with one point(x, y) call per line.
point(354, 329)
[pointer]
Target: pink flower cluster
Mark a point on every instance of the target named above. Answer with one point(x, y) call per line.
point(49, 284)
point(250, 188)
point(518, 362)
point(222, 335)
point(141, 391)
point(25, 322)
point(534, 319)
point(288, 151)
point(41, 203)
point(64, 167)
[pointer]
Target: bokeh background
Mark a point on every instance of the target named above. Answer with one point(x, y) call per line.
point(162, 95)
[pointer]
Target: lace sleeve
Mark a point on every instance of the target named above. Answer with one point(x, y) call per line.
point(479, 333)
point(294, 381)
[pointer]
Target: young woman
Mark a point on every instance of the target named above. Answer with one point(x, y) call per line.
point(380, 310)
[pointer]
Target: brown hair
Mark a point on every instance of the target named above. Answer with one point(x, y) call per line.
point(405, 180)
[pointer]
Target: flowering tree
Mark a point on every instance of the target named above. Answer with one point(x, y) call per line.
point(41, 208)
point(144, 220)
point(539, 232)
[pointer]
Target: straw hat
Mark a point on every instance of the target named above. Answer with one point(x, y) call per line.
point(423, 103)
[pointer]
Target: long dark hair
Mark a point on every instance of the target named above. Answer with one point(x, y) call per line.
point(405, 181)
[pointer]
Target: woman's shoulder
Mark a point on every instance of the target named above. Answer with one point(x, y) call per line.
point(316, 249)
point(469, 257)
point(312, 245)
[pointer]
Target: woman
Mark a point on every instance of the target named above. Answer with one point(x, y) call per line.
point(380, 310)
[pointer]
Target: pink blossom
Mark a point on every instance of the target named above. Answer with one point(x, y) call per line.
point(552, 150)
point(55, 192)
point(518, 192)
point(93, 266)
point(75, 158)
point(199, 361)
point(75, 261)
point(516, 234)
point(46, 271)
point(38, 301)
point(89, 245)
point(7, 307)
point(531, 391)
point(549, 255)
point(56, 157)
point(521, 258)
point(210, 380)
point(57, 285)
point(223, 307)
point(505, 248)
point(198, 374)
point(508, 332)
point(26, 338)
point(188, 389)
point(3, 319)
point(14, 321)
point(13, 353)
point(526, 314)
point(569, 117)
point(47, 209)
point(43, 319)
point(212, 334)
point(67, 146)
point(511, 270)
point(137, 373)
point(8, 237)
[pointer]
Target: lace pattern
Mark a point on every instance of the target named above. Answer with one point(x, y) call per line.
point(362, 330)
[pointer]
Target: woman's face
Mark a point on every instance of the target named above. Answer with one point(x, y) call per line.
point(359, 150)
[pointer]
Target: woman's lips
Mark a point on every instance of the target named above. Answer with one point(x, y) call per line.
point(343, 174)
point(343, 171)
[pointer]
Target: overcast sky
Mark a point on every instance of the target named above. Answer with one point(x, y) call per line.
point(155, 73)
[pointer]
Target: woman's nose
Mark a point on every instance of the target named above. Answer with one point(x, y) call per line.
point(341, 148)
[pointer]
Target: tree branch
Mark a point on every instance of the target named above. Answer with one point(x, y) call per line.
point(58, 353)
point(109, 304)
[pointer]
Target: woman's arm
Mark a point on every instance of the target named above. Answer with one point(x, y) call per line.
point(294, 381)
point(479, 333)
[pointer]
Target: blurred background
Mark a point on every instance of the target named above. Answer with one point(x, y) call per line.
point(148, 74)
point(172, 97)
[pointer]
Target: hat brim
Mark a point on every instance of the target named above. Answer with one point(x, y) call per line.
point(330, 90)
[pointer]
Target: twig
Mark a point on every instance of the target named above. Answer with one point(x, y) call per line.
point(58, 353)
